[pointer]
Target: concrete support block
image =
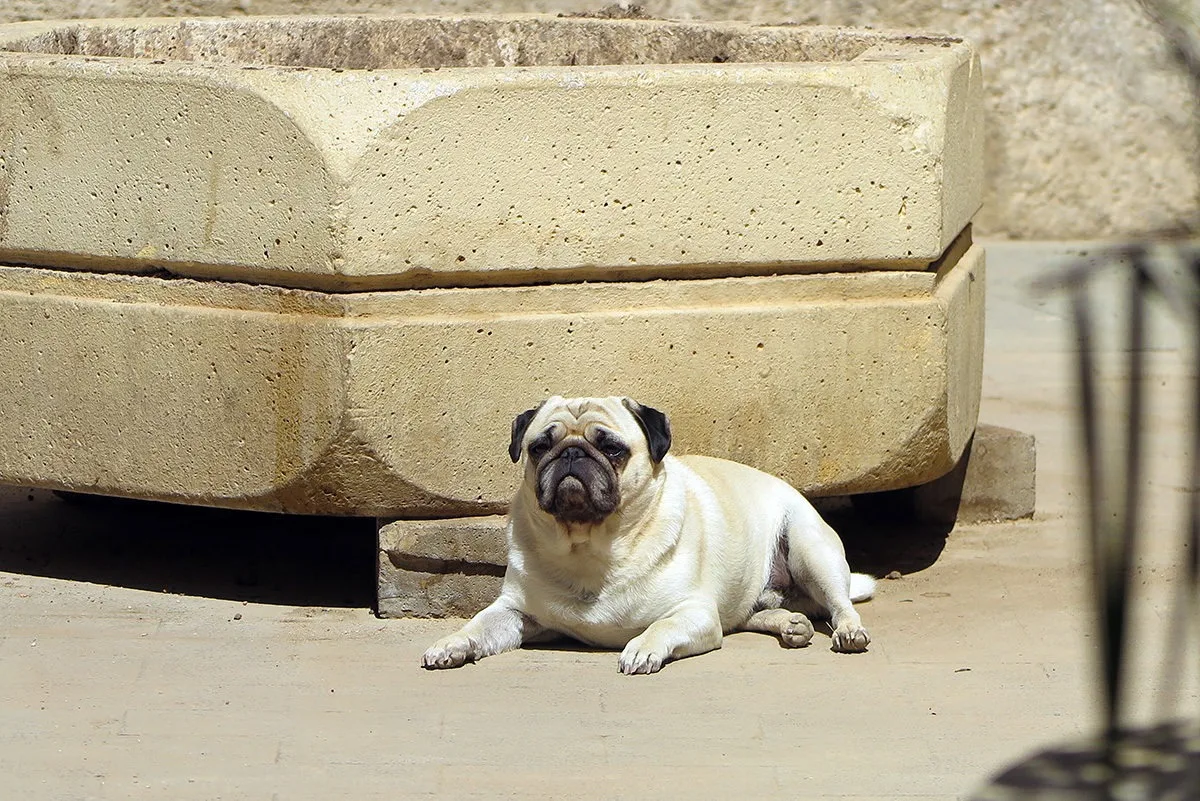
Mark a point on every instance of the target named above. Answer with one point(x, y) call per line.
point(618, 149)
point(399, 403)
point(995, 480)
point(440, 568)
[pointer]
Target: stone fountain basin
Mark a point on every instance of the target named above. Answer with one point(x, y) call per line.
point(342, 153)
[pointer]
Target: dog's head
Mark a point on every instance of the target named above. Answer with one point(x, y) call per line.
point(582, 453)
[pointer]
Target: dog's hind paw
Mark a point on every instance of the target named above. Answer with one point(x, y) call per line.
point(449, 652)
point(796, 631)
point(850, 639)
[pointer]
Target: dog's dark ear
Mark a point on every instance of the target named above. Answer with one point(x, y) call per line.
point(519, 427)
point(655, 426)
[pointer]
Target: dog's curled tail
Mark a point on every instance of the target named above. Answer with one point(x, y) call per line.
point(862, 587)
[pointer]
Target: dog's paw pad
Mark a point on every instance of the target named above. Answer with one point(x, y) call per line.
point(796, 631)
point(851, 640)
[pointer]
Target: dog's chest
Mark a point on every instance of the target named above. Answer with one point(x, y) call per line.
point(609, 618)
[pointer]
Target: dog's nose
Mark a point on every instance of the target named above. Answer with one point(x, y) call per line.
point(572, 453)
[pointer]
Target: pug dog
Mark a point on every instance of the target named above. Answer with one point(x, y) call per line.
point(618, 544)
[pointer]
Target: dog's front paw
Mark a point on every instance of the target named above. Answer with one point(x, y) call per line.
point(850, 639)
point(449, 652)
point(639, 657)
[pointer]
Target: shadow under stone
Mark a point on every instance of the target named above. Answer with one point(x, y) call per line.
point(281, 559)
point(882, 536)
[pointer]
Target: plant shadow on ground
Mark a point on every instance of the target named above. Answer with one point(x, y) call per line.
point(289, 560)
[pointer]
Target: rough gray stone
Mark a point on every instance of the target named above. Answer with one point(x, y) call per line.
point(994, 480)
point(440, 568)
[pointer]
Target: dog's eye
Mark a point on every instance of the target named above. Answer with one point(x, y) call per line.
point(612, 447)
point(538, 449)
point(615, 450)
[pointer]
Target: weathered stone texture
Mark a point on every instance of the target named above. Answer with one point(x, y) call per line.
point(995, 480)
point(1090, 128)
point(399, 403)
point(440, 568)
point(849, 150)
point(807, 192)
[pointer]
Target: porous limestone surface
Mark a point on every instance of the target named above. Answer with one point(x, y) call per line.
point(400, 403)
point(369, 153)
point(1070, 86)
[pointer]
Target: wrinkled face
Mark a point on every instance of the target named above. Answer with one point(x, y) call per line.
point(577, 451)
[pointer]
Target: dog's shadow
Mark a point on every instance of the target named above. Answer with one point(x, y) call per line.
point(564, 643)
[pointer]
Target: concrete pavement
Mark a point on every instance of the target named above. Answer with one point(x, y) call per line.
point(155, 652)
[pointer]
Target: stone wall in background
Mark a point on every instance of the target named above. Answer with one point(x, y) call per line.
point(1090, 128)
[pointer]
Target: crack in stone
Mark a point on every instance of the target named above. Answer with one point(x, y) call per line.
point(428, 564)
